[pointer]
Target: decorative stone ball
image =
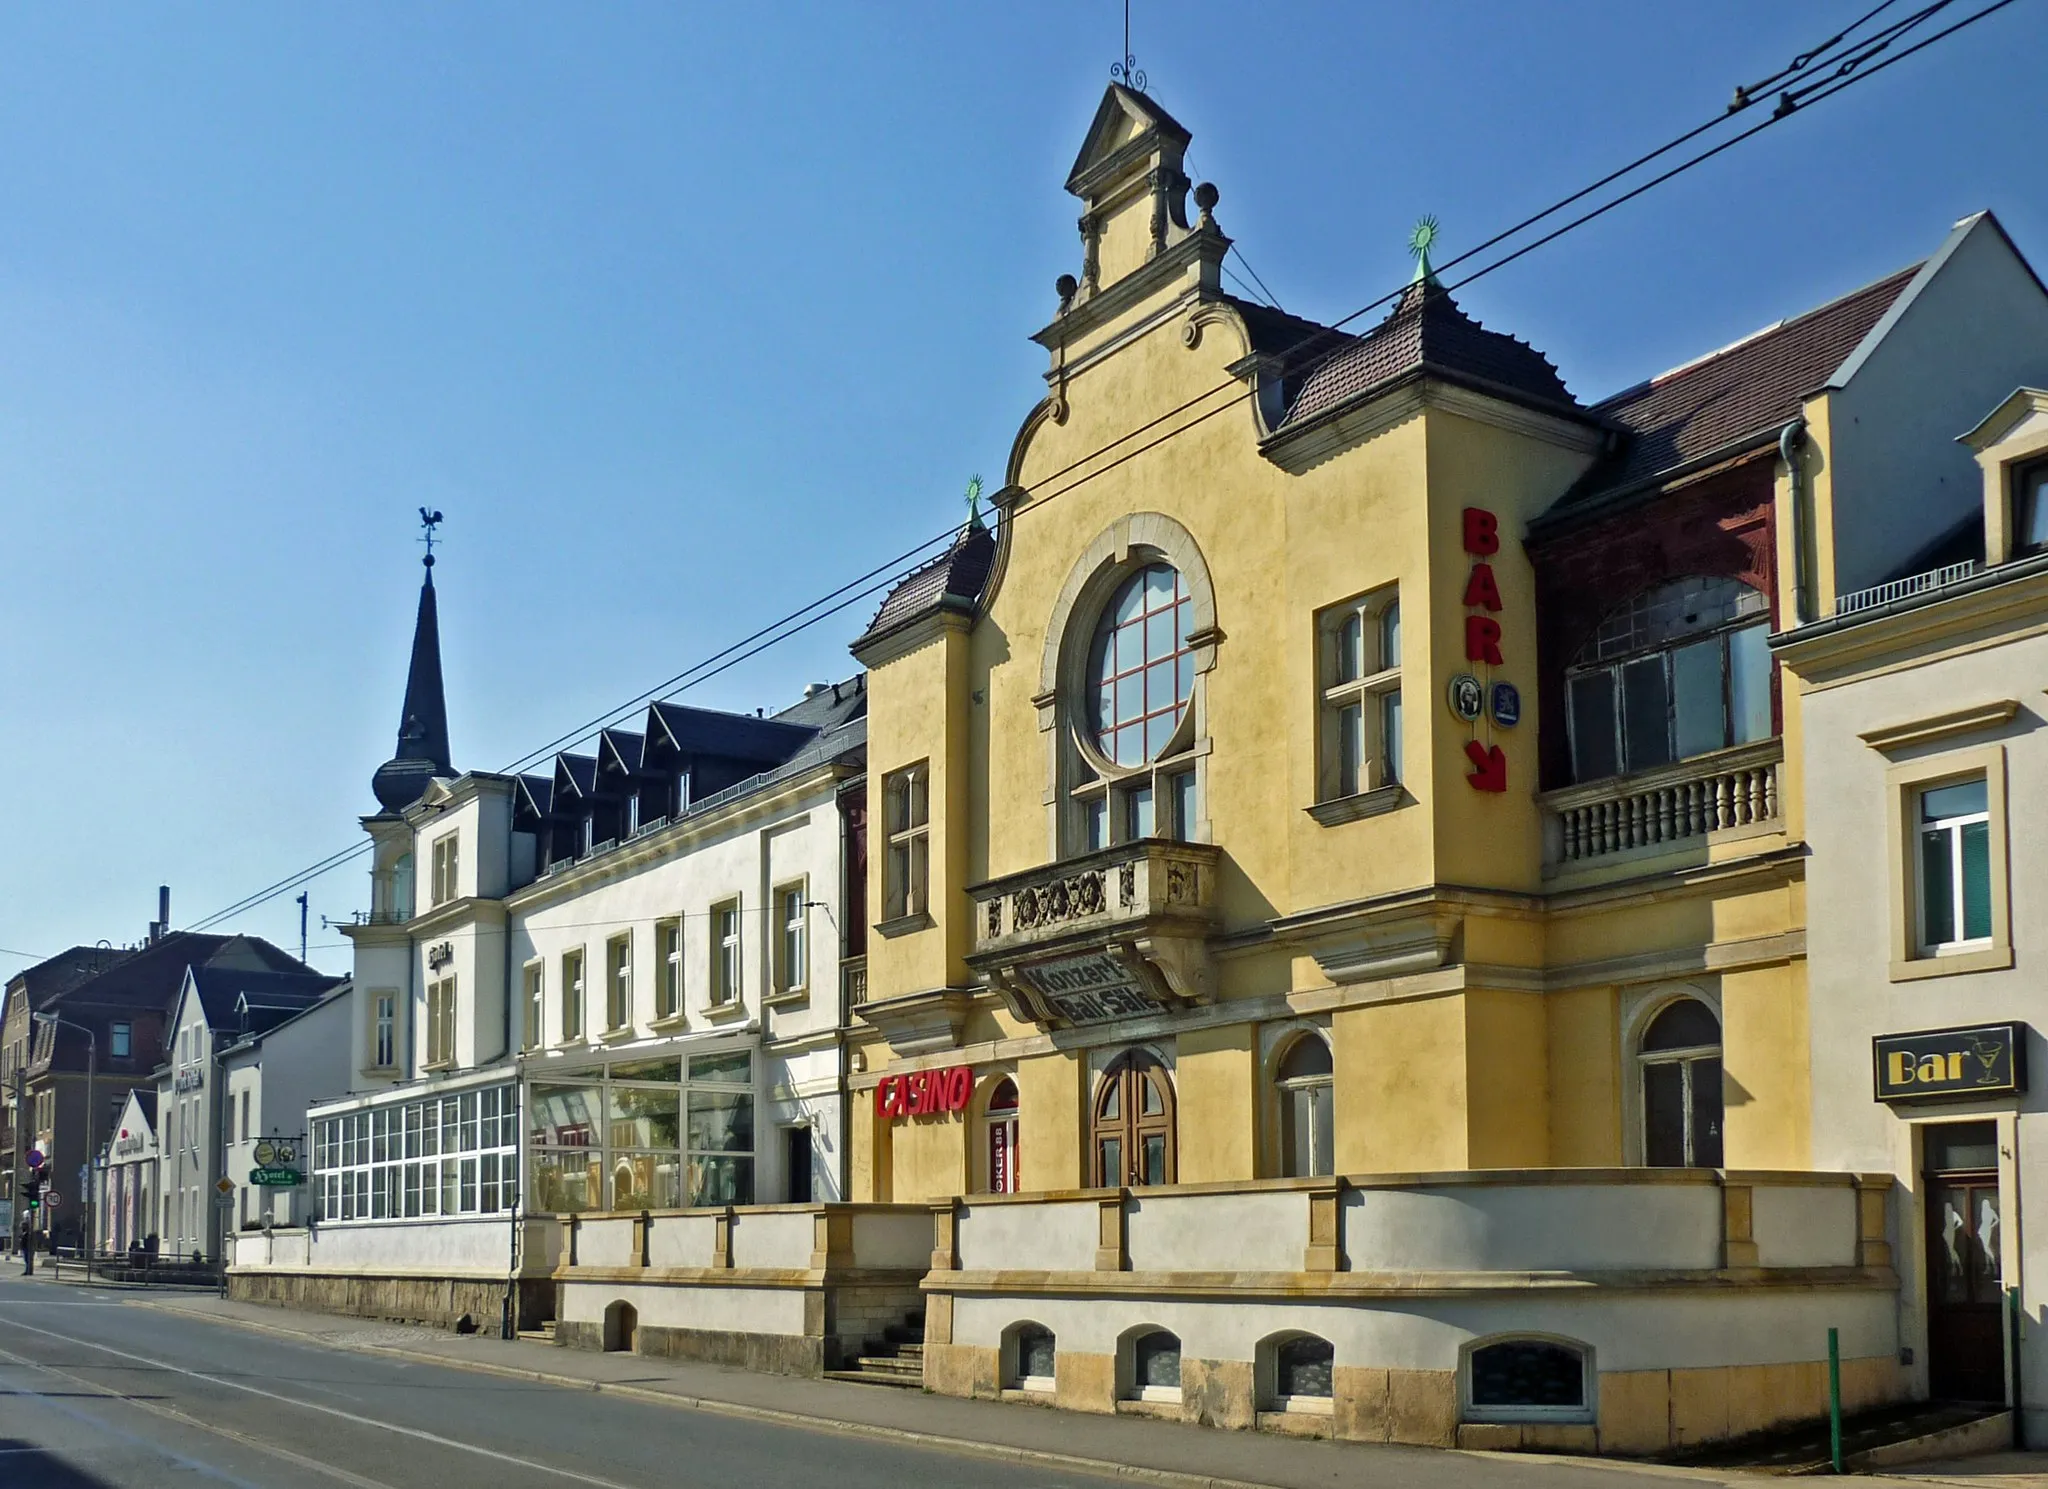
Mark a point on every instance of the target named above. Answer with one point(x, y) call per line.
point(1065, 286)
point(1206, 196)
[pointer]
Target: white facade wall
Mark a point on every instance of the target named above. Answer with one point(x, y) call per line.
point(188, 1148)
point(300, 1062)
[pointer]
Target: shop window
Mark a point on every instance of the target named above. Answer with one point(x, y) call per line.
point(1681, 1065)
point(2030, 508)
point(572, 994)
point(1680, 670)
point(1000, 1142)
point(907, 869)
point(1032, 1356)
point(668, 990)
point(1138, 780)
point(1513, 1380)
point(1134, 1124)
point(618, 1009)
point(1297, 1370)
point(1358, 646)
point(1954, 867)
point(1155, 1367)
point(1303, 1079)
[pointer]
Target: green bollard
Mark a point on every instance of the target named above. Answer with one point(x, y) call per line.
point(1835, 1398)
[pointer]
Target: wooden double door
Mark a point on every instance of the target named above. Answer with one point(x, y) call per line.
point(1965, 1280)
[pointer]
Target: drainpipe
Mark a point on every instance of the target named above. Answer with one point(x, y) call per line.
point(1789, 441)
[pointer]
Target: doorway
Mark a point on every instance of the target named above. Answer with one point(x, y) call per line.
point(797, 1163)
point(1965, 1283)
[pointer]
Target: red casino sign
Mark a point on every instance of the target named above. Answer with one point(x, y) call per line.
point(924, 1092)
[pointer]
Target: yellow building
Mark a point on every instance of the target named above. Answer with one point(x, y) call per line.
point(1341, 805)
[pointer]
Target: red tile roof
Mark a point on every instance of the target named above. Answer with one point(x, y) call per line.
point(1734, 398)
point(953, 580)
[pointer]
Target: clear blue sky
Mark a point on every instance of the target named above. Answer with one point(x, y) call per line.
point(684, 315)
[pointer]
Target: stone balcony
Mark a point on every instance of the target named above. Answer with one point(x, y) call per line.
point(1116, 934)
point(1693, 803)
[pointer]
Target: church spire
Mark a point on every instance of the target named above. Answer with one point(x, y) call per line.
point(422, 750)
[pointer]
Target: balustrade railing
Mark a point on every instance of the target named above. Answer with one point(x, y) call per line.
point(1903, 589)
point(1711, 793)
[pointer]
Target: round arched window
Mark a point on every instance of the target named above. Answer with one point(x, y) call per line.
point(1140, 668)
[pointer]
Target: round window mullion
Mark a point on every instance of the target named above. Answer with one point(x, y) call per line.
point(1141, 668)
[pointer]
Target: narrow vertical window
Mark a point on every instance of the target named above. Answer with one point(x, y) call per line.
point(792, 948)
point(619, 983)
point(1682, 1099)
point(120, 1042)
point(530, 1024)
point(726, 981)
point(1001, 1124)
point(1307, 1116)
point(572, 995)
point(384, 1030)
point(1359, 645)
point(1955, 867)
point(906, 796)
point(668, 993)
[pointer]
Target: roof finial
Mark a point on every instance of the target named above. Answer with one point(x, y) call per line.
point(974, 501)
point(1419, 243)
point(1127, 71)
point(429, 521)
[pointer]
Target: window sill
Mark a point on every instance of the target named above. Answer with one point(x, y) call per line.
point(1987, 959)
point(795, 997)
point(725, 1012)
point(379, 1072)
point(904, 925)
point(1365, 804)
point(614, 1035)
point(438, 1066)
point(668, 1021)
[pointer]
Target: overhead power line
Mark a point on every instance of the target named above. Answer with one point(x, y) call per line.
point(1848, 71)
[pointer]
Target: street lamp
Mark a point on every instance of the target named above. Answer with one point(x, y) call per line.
point(92, 1104)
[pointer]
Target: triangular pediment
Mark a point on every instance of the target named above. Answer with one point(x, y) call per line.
point(1124, 117)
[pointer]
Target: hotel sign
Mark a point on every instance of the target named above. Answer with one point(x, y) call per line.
point(1981, 1060)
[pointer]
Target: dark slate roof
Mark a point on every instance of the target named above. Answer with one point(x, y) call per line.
point(726, 736)
point(539, 792)
point(845, 742)
point(952, 581)
point(1733, 399)
point(625, 747)
point(832, 705)
point(59, 974)
point(145, 1097)
point(1427, 334)
point(1273, 332)
point(270, 997)
point(580, 771)
point(422, 751)
point(151, 976)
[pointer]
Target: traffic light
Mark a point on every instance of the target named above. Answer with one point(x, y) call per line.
point(32, 1190)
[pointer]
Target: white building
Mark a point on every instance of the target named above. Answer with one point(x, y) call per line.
point(272, 1076)
point(128, 1210)
point(218, 1009)
point(1928, 908)
point(642, 952)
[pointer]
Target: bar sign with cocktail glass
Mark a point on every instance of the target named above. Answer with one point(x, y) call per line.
point(1981, 1060)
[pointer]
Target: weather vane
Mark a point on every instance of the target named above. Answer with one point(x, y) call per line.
point(1419, 243)
point(1127, 71)
point(429, 521)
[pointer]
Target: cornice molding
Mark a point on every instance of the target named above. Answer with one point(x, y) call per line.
point(1941, 726)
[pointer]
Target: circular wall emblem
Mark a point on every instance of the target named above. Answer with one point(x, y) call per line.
point(1465, 697)
point(1507, 705)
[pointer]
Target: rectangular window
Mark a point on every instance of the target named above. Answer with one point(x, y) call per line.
point(2030, 508)
point(906, 795)
point(726, 978)
point(619, 982)
point(535, 977)
point(441, 1022)
point(792, 942)
point(572, 994)
point(668, 993)
point(120, 1043)
point(245, 1117)
point(384, 1030)
point(1694, 695)
point(1955, 867)
point(442, 887)
point(1358, 646)
point(1095, 823)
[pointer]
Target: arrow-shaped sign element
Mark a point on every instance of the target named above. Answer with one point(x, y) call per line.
point(1489, 766)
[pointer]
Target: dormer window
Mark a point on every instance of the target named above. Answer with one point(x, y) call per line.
point(2030, 507)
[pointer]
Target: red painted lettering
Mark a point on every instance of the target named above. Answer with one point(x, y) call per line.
point(882, 1089)
point(963, 1088)
point(1482, 640)
point(1482, 531)
point(1481, 593)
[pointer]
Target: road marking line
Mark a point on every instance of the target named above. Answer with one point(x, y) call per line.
point(335, 1411)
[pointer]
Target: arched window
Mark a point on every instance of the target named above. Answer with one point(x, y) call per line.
point(1679, 670)
point(1306, 1126)
point(1000, 1124)
point(1527, 1380)
point(1139, 679)
point(1032, 1358)
point(1301, 1373)
point(1133, 1124)
point(1681, 1060)
point(1155, 1366)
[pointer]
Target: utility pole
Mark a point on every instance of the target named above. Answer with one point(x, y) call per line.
point(16, 1169)
point(302, 925)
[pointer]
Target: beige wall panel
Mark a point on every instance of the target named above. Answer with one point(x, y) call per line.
point(1507, 1079)
point(1214, 1083)
point(1585, 1078)
point(1765, 1079)
point(1400, 1086)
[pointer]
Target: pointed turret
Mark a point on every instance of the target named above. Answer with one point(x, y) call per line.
point(422, 750)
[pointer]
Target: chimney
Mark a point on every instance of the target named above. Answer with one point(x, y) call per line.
point(162, 927)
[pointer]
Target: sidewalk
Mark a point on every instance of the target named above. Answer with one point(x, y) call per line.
point(1134, 1449)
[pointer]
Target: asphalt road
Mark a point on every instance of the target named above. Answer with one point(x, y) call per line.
point(98, 1394)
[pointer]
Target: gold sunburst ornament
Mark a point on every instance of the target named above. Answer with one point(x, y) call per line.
point(1420, 241)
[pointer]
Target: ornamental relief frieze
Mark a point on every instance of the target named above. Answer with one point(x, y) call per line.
point(1063, 900)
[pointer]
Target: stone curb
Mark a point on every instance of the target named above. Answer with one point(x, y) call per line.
point(1131, 1473)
